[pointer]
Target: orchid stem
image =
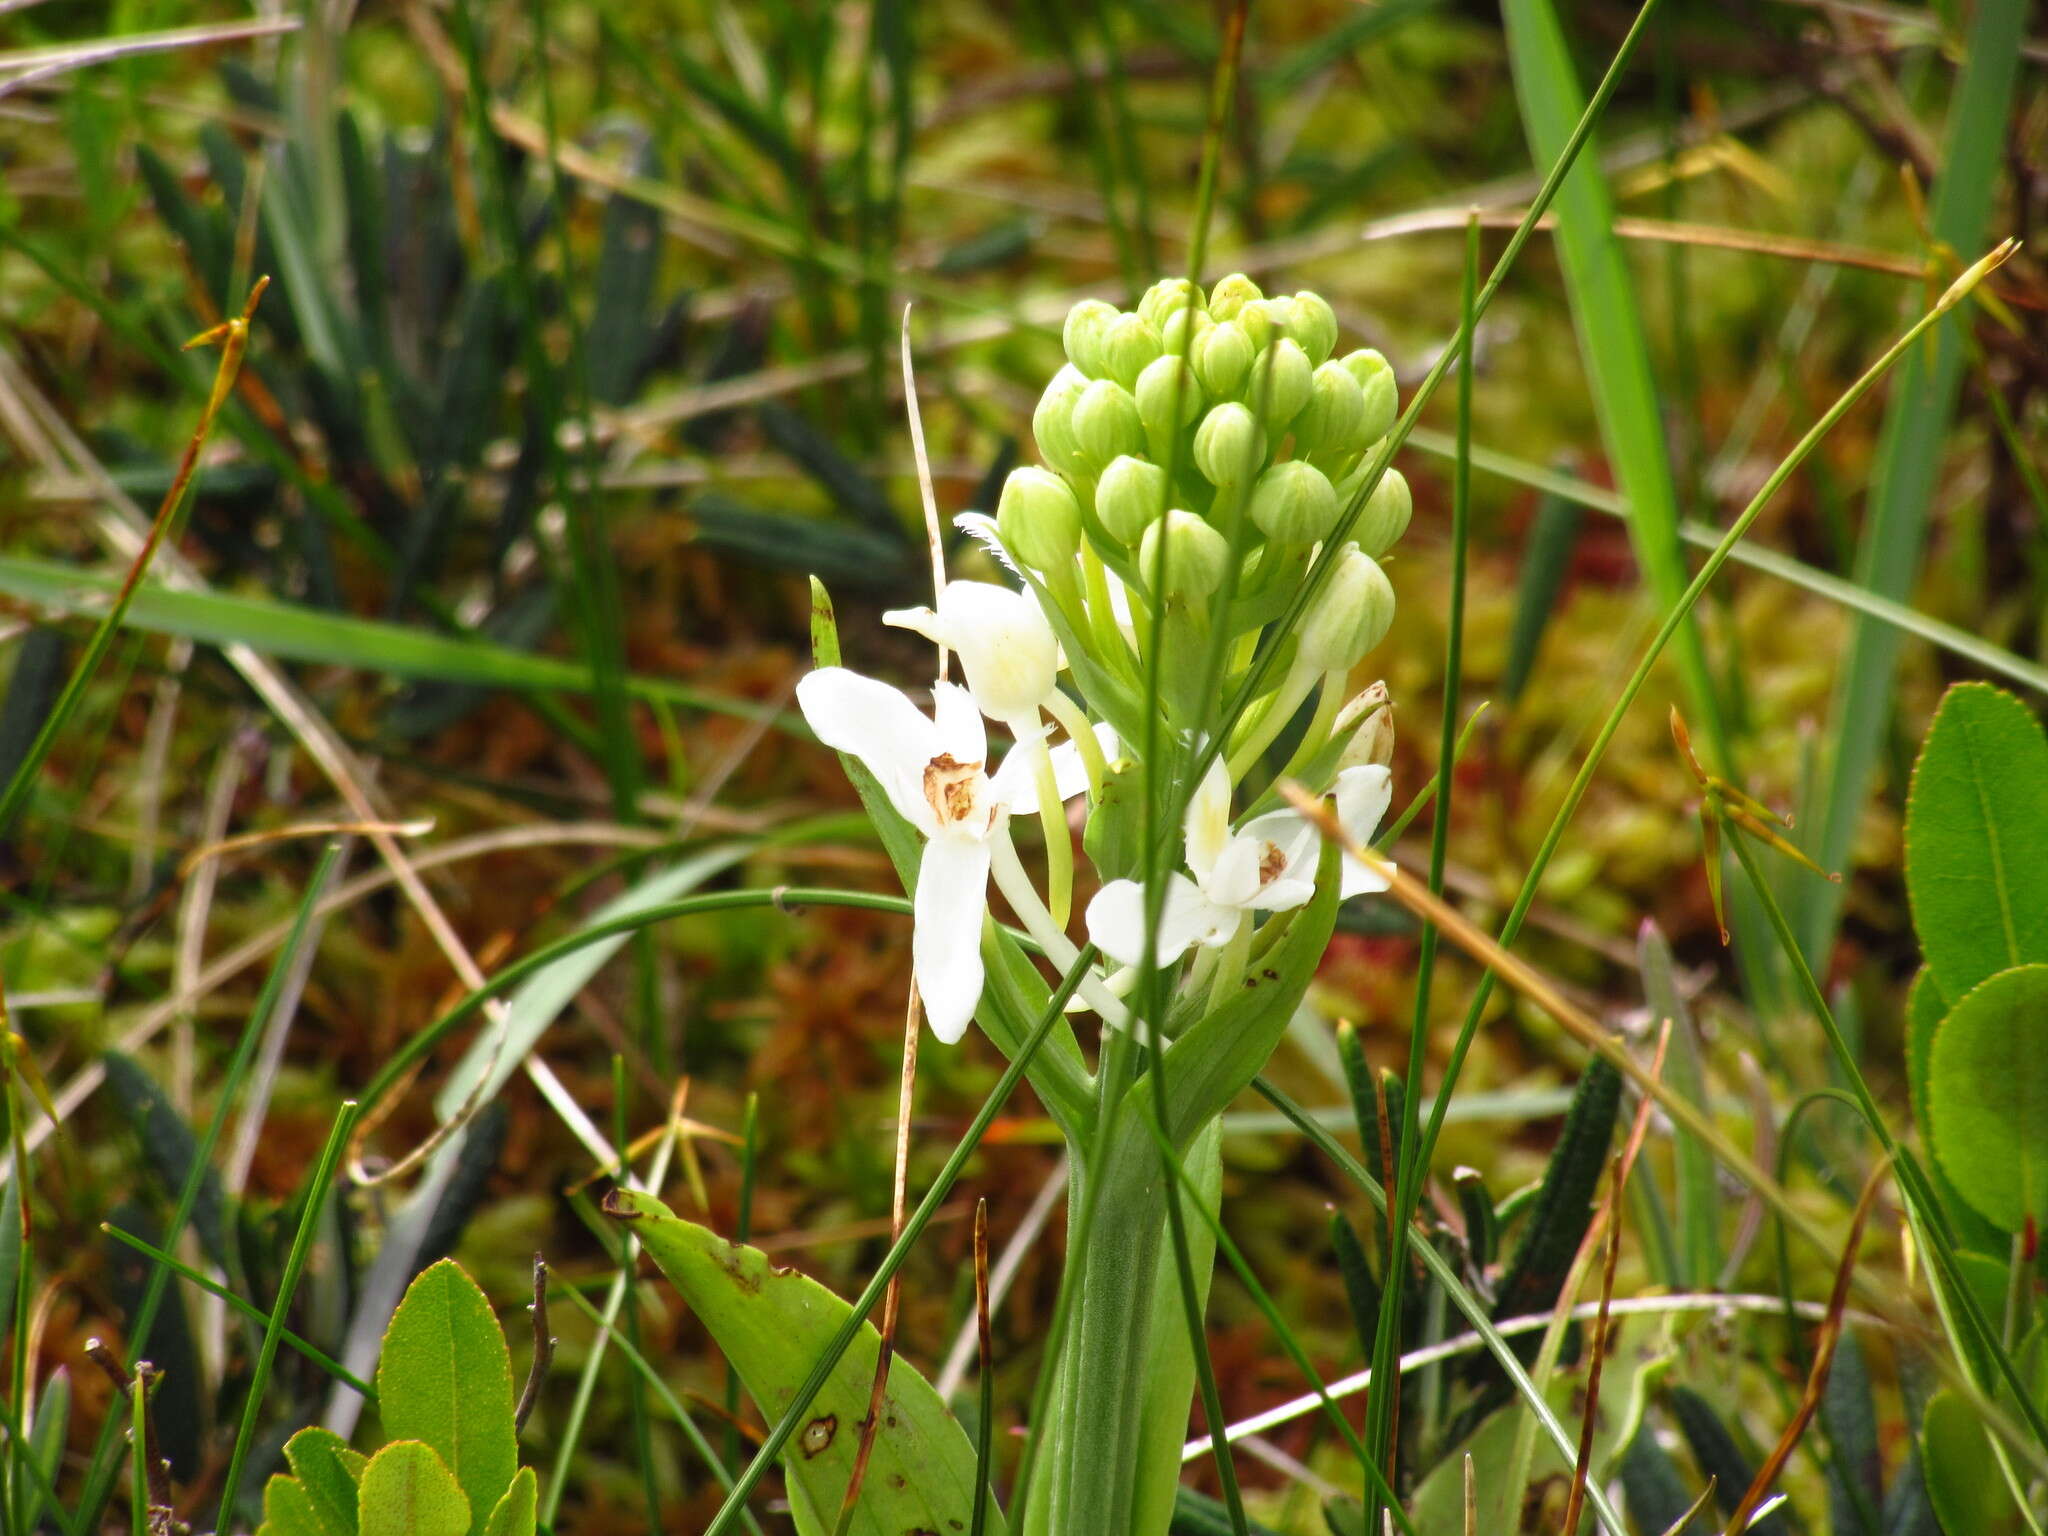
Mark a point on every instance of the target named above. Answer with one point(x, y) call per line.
point(1015, 884)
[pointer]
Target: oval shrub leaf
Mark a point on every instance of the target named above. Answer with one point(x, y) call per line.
point(1988, 1097)
point(773, 1324)
point(408, 1491)
point(1977, 838)
point(445, 1379)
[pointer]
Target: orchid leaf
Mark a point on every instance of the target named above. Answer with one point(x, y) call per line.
point(772, 1324)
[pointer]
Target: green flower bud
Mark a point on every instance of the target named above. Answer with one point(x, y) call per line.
point(1222, 356)
point(1353, 614)
point(1169, 396)
point(1328, 424)
point(1129, 497)
point(1197, 557)
point(1106, 424)
point(1052, 424)
point(1168, 296)
point(1039, 519)
point(1294, 503)
point(1313, 325)
point(1280, 385)
point(1385, 515)
point(1128, 344)
point(1376, 381)
point(1260, 322)
point(1231, 294)
point(1082, 335)
point(1182, 328)
point(1230, 446)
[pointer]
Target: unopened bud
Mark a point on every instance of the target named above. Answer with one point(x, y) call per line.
point(1222, 356)
point(1280, 384)
point(1052, 423)
point(1229, 445)
point(1372, 742)
point(1181, 327)
point(1385, 515)
point(1231, 294)
point(1294, 503)
point(1353, 614)
point(1376, 381)
point(1128, 344)
point(1313, 325)
point(1039, 518)
point(1129, 497)
point(1328, 425)
point(1087, 323)
point(1169, 396)
point(1106, 424)
point(1265, 321)
point(1196, 557)
point(1167, 297)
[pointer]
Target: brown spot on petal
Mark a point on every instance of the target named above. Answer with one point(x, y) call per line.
point(949, 787)
point(1271, 863)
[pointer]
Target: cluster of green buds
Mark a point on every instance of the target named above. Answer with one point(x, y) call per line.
point(1199, 452)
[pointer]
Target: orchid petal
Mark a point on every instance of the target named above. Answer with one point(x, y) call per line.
point(1208, 820)
point(1233, 880)
point(878, 725)
point(957, 725)
point(1297, 838)
point(981, 528)
point(1116, 920)
point(1363, 795)
point(945, 942)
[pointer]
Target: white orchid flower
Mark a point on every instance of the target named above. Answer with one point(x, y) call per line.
point(1006, 647)
point(1267, 866)
point(932, 770)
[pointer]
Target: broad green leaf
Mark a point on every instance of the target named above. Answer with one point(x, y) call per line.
point(1963, 1482)
point(445, 1379)
point(52, 1428)
point(772, 1324)
point(320, 1460)
point(1977, 838)
point(1988, 1093)
point(408, 1491)
point(288, 1510)
point(1925, 1009)
point(518, 1511)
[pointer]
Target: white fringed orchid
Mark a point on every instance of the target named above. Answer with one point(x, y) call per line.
point(1268, 866)
point(932, 770)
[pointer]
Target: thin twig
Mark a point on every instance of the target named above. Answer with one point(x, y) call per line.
point(1823, 1358)
point(543, 1345)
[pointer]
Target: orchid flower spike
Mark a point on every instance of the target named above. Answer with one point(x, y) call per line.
point(1268, 866)
point(1006, 648)
point(932, 770)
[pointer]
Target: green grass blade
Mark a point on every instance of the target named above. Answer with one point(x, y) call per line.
point(1884, 610)
point(1909, 456)
point(317, 1191)
point(1611, 338)
point(288, 632)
